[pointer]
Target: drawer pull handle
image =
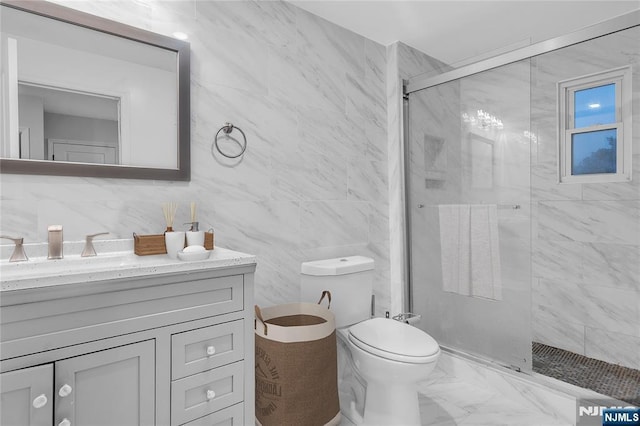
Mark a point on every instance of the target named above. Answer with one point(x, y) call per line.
point(64, 422)
point(210, 394)
point(211, 350)
point(40, 401)
point(65, 390)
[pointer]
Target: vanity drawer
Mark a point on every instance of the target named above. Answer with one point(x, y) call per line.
point(114, 308)
point(232, 416)
point(206, 348)
point(205, 393)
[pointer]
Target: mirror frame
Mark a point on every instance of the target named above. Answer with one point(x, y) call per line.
point(182, 49)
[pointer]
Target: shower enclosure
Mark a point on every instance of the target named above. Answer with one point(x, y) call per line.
point(504, 249)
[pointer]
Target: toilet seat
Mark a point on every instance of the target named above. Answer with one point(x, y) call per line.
point(394, 340)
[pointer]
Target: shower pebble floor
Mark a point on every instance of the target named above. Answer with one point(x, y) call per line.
point(449, 400)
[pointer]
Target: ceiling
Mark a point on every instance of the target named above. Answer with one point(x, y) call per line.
point(458, 31)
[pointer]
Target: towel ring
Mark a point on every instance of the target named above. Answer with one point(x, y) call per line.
point(228, 128)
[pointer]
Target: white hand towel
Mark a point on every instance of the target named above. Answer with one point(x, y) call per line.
point(455, 247)
point(485, 252)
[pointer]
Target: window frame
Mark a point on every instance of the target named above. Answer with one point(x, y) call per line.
point(621, 77)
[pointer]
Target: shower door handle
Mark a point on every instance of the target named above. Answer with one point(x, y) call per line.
point(420, 206)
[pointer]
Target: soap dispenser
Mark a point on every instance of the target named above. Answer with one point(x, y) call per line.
point(195, 237)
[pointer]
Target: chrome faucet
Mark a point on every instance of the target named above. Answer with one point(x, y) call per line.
point(89, 250)
point(55, 242)
point(18, 254)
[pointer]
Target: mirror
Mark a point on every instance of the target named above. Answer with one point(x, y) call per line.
point(86, 96)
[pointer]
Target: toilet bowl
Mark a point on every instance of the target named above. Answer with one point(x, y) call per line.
point(381, 361)
point(392, 358)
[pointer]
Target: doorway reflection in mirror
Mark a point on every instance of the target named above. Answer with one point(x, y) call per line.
point(58, 124)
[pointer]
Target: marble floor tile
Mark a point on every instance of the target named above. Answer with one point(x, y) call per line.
point(467, 403)
point(449, 399)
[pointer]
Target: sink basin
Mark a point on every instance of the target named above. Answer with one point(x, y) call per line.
point(40, 272)
point(40, 268)
point(67, 265)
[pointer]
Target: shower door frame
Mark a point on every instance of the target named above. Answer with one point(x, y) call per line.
point(610, 26)
point(418, 83)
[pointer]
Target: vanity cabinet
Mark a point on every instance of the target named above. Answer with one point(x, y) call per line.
point(26, 396)
point(106, 388)
point(164, 349)
point(114, 386)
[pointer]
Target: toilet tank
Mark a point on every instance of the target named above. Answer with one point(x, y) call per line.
point(350, 281)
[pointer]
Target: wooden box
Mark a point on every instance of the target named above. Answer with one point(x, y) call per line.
point(144, 245)
point(208, 240)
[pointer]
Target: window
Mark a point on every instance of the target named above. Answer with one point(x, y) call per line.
point(595, 127)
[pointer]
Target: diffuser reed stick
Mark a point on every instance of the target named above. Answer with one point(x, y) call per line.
point(169, 211)
point(193, 211)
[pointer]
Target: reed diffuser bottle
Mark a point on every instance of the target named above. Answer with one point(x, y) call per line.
point(173, 240)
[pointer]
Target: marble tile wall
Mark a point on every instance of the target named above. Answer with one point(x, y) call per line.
point(586, 237)
point(311, 98)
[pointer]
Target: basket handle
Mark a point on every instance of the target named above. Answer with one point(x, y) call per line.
point(259, 317)
point(328, 294)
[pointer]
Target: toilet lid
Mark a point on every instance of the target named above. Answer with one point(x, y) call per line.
point(394, 340)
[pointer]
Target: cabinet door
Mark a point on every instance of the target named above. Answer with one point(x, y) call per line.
point(26, 397)
point(110, 387)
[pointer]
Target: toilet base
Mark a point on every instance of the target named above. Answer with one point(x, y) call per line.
point(375, 391)
point(351, 386)
point(389, 405)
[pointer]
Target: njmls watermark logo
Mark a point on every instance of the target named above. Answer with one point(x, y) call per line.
point(621, 416)
point(607, 412)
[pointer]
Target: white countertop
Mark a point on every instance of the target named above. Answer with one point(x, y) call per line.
point(39, 272)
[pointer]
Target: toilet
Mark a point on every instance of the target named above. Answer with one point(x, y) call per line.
point(380, 360)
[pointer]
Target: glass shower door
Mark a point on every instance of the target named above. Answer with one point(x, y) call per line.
point(469, 199)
